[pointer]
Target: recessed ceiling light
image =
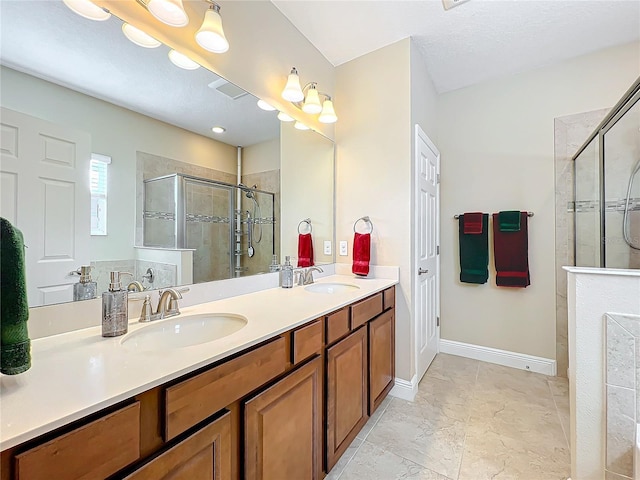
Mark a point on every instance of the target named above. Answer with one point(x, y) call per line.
point(88, 9)
point(182, 61)
point(265, 106)
point(139, 37)
point(283, 117)
point(301, 126)
point(218, 129)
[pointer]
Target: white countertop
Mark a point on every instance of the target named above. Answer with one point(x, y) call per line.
point(78, 373)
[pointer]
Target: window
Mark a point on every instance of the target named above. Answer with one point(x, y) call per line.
point(98, 168)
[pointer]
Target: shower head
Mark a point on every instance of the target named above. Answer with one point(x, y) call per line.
point(248, 191)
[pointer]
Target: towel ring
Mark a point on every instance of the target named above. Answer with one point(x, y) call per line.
point(366, 220)
point(308, 222)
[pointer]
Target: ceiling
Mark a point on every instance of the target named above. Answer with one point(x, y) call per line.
point(95, 58)
point(473, 42)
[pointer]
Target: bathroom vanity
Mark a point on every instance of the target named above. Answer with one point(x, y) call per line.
point(281, 398)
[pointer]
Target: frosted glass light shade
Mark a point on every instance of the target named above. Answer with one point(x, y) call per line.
point(283, 117)
point(265, 106)
point(312, 101)
point(211, 36)
point(182, 61)
point(170, 12)
point(328, 114)
point(87, 9)
point(292, 91)
point(300, 126)
point(139, 37)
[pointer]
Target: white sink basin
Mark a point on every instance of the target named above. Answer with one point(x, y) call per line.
point(184, 331)
point(331, 287)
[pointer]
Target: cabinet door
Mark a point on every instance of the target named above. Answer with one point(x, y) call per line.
point(381, 358)
point(283, 428)
point(346, 393)
point(204, 455)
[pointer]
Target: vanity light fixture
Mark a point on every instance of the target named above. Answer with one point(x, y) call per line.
point(300, 126)
point(170, 12)
point(218, 129)
point(211, 35)
point(265, 106)
point(308, 98)
point(283, 117)
point(182, 61)
point(139, 37)
point(88, 9)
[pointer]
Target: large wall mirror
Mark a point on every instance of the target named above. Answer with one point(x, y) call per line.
point(109, 160)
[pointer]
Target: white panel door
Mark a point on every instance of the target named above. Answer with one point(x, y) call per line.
point(45, 193)
point(426, 304)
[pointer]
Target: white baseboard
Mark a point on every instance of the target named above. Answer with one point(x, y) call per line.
point(546, 366)
point(404, 389)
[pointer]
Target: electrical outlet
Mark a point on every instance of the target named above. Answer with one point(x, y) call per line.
point(327, 247)
point(343, 247)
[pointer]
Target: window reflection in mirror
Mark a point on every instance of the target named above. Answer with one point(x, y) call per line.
point(109, 97)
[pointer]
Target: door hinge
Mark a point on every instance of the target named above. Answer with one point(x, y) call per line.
point(438, 178)
point(437, 321)
point(437, 249)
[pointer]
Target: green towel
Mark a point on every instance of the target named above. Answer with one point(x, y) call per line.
point(474, 253)
point(15, 346)
point(509, 220)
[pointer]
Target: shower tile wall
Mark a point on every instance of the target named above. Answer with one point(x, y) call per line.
point(622, 391)
point(570, 133)
point(270, 182)
point(101, 269)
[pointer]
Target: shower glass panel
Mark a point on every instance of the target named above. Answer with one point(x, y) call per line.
point(159, 218)
point(257, 244)
point(587, 206)
point(622, 179)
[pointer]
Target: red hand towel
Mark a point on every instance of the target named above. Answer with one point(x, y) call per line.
point(361, 253)
point(472, 223)
point(511, 252)
point(305, 250)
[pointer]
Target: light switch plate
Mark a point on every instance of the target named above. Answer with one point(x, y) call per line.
point(343, 247)
point(327, 247)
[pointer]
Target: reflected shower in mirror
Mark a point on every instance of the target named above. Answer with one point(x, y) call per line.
point(131, 118)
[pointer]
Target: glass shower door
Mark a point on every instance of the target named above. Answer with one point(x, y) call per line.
point(587, 206)
point(159, 214)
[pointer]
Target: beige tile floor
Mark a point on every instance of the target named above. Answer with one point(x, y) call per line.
point(471, 420)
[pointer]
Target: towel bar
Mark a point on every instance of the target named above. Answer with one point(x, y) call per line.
point(365, 219)
point(529, 214)
point(308, 222)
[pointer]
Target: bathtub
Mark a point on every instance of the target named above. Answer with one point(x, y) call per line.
point(636, 455)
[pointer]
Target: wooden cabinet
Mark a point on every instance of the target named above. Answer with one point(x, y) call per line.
point(381, 358)
point(365, 310)
point(306, 341)
point(337, 325)
point(347, 389)
point(283, 428)
point(203, 455)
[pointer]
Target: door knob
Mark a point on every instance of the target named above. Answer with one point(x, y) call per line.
point(421, 271)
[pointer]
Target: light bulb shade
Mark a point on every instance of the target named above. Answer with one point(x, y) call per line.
point(292, 91)
point(300, 126)
point(328, 114)
point(265, 106)
point(170, 12)
point(283, 117)
point(312, 101)
point(182, 61)
point(139, 37)
point(87, 9)
point(211, 36)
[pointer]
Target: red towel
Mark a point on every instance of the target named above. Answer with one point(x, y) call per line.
point(361, 253)
point(472, 223)
point(305, 250)
point(511, 252)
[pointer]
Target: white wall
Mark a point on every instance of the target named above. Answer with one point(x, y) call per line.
point(261, 157)
point(374, 164)
point(118, 133)
point(496, 141)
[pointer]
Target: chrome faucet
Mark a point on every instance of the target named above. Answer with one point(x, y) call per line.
point(305, 276)
point(167, 305)
point(135, 286)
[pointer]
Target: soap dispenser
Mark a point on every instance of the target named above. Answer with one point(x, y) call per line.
point(86, 288)
point(286, 273)
point(275, 266)
point(115, 314)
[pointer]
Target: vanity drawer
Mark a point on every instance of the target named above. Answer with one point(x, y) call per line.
point(195, 399)
point(337, 325)
point(95, 450)
point(389, 298)
point(307, 341)
point(365, 310)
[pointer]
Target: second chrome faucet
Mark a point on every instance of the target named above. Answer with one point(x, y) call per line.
point(305, 275)
point(167, 305)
